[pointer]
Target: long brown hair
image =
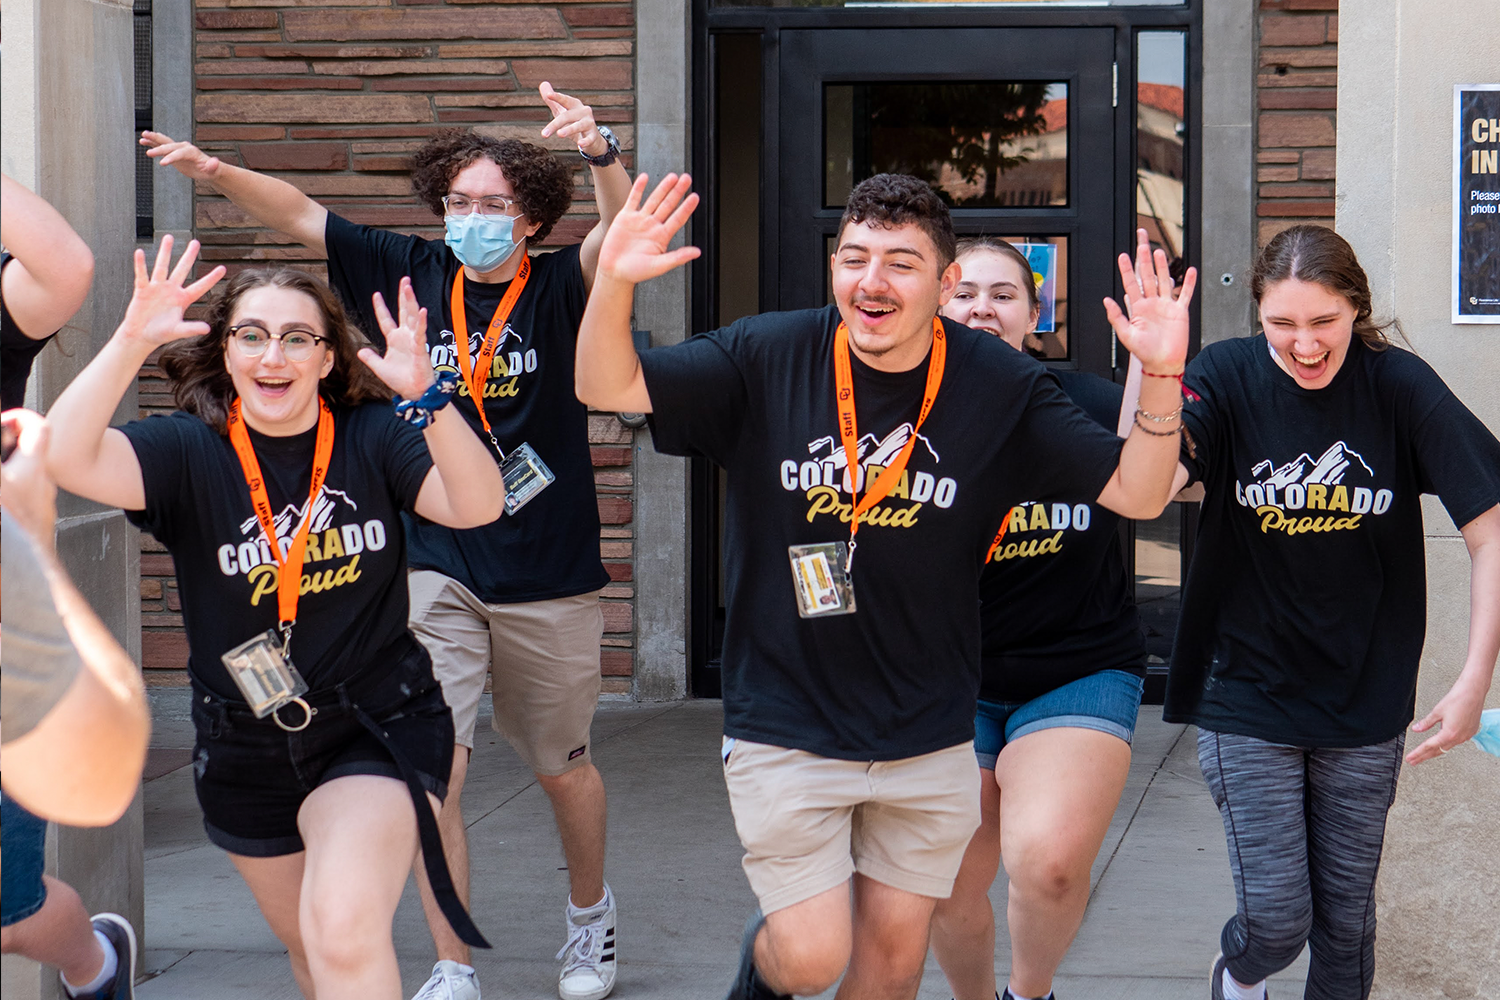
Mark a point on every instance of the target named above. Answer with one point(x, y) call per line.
point(1319, 255)
point(202, 385)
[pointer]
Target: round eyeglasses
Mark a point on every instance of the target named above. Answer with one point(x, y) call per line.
point(296, 345)
point(490, 204)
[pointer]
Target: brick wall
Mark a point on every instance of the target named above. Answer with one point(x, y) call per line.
point(332, 96)
point(1297, 96)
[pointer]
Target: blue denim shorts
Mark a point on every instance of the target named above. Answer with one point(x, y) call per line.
point(22, 840)
point(1108, 701)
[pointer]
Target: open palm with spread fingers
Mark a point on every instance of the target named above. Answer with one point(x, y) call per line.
point(189, 160)
point(635, 248)
point(155, 313)
point(1154, 324)
point(406, 366)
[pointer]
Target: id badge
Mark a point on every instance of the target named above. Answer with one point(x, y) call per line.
point(818, 577)
point(263, 673)
point(525, 476)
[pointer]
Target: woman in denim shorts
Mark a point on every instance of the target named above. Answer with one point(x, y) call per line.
point(285, 434)
point(1063, 662)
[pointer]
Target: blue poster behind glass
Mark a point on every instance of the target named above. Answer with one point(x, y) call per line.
point(1043, 260)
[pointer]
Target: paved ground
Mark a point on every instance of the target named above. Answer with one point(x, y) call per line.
point(1162, 885)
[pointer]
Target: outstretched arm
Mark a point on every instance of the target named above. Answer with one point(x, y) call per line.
point(86, 456)
point(1457, 713)
point(463, 489)
point(49, 278)
point(273, 203)
point(1156, 332)
point(81, 763)
point(607, 374)
point(575, 120)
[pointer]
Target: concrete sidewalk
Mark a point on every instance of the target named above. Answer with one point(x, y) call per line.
point(1161, 885)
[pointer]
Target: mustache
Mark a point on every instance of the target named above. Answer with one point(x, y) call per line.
point(874, 300)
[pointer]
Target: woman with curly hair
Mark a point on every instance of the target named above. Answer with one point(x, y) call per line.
point(519, 595)
point(323, 741)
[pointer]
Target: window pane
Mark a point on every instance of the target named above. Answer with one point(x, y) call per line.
point(945, 3)
point(1161, 61)
point(996, 144)
point(737, 59)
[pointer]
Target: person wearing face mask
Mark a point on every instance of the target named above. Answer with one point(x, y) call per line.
point(1305, 608)
point(1060, 688)
point(323, 741)
point(516, 599)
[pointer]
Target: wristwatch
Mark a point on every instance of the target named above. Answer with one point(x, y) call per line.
point(610, 155)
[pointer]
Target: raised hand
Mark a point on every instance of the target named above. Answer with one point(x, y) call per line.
point(1154, 324)
point(572, 119)
point(635, 247)
point(155, 313)
point(26, 490)
point(406, 366)
point(189, 160)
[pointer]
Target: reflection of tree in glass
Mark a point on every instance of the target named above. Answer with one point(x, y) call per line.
point(972, 128)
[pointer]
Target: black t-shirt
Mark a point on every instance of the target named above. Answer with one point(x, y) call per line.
point(17, 353)
point(351, 617)
point(549, 548)
point(1306, 603)
point(900, 676)
point(1056, 602)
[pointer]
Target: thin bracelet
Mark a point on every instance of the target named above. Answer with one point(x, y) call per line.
point(1161, 434)
point(1177, 376)
point(1158, 419)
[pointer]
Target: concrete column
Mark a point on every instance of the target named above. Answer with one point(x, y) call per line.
point(1228, 138)
point(1439, 910)
point(663, 44)
point(68, 116)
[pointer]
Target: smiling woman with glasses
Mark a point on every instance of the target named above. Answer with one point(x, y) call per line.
point(278, 488)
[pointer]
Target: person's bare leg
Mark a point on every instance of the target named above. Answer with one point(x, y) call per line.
point(276, 884)
point(59, 934)
point(803, 949)
point(579, 807)
point(456, 848)
point(963, 925)
point(361, 836)
point(1058, 790)
point(891, 929)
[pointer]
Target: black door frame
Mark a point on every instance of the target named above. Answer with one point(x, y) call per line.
point(768, 23)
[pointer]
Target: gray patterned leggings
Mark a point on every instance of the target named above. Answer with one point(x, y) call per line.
point(1305, 830)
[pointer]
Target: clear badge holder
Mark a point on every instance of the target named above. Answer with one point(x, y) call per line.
point(525, 476)
point(822, 586)
point(264, 674)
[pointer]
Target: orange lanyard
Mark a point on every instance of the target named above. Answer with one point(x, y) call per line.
point(477, 375)
point(843, 374)
point(289, 584)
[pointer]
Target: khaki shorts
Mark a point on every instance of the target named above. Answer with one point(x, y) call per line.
point(808, 822)
point(544, 656)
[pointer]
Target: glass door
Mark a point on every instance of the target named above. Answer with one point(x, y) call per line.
point(1014, 128)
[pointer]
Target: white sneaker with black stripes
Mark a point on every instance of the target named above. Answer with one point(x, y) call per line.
point(588, 958)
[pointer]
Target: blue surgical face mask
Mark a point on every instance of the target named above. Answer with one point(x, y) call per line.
point(482, 242)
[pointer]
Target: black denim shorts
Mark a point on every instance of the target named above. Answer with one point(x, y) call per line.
point(252, 776)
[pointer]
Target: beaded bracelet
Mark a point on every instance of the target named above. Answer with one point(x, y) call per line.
point(1161, 434)
point(418, 412)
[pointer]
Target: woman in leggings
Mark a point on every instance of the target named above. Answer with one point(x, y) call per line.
point(1061, 688)
point(278, 488)
point(1303, 617)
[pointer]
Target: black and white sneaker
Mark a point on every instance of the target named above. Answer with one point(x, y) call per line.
point(588, 971)
point(122, 936)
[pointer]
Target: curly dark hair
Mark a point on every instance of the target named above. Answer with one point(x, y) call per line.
point(202, 385)
point(887, 201)
point(543, 186)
